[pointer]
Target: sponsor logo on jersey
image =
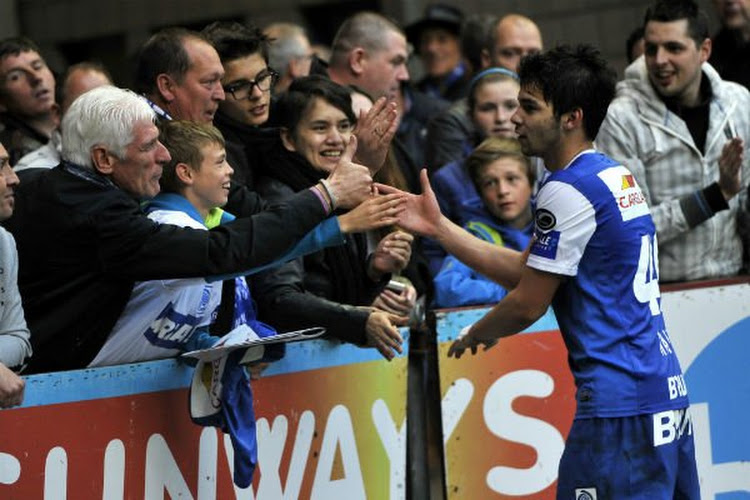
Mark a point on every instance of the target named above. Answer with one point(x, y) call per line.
point(671, 425)
point(628, 196)
point(545, 244)
point(545, 220)
point(676, 386)
point(171, 329)
point(586, 494)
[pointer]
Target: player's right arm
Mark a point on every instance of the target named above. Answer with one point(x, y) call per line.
point(422, 216)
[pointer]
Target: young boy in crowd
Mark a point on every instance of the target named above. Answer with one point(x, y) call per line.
point(504, 178)
point(164, 318)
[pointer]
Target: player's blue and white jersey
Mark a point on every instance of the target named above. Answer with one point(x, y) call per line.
point(594, 226)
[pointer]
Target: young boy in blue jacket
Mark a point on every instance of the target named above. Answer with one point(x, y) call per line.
point(503, 216)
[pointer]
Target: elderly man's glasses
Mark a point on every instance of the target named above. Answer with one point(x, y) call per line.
point(242, 89)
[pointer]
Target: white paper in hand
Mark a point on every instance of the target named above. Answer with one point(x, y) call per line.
point(244, 337)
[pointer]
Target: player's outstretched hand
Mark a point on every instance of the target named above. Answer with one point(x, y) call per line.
point(375, 212)
point(350, 184)
point(422, 214)
point(465, 340)
point(375, 131)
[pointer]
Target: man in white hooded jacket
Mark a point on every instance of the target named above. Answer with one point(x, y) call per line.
point(683, 132)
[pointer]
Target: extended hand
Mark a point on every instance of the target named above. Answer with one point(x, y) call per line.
point(375, 212)
point(382, 333)
point(422, 214)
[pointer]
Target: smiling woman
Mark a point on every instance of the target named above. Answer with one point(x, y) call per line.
point(321, 135)
point(317, 120)
point(335, 287)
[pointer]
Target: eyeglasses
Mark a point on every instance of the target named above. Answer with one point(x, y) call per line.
point(242, 89)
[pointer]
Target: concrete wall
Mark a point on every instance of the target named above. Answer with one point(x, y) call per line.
point(70, 30)
point(8, 18)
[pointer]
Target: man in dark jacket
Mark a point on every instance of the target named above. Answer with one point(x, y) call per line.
point(83, 240)
point(731, 45)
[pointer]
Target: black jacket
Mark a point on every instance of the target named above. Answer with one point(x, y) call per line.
point(83, 242)
point(730, 56)
point(450, 136)
point(320, 289)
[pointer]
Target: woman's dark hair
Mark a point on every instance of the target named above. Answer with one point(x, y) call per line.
point(295, 102)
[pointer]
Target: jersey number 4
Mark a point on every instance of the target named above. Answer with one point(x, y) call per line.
point(646, 280)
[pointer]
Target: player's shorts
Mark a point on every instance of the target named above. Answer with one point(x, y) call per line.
point(649, 457)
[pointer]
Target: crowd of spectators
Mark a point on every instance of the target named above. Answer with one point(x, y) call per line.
point(239, 171)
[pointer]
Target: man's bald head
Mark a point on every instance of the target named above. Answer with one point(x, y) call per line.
point(514, 36)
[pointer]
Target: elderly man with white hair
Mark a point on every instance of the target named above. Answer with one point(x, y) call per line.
point(84, 241)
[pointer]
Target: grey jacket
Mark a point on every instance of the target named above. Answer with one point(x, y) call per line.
point(695, 242)
point(15, 347)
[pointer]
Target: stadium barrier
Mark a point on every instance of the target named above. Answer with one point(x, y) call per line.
point(506, 412)
point(330, 424)
point(332, 418)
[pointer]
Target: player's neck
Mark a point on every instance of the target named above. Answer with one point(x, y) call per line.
point(560, 157)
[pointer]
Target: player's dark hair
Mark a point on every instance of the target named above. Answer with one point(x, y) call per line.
point(572, 78)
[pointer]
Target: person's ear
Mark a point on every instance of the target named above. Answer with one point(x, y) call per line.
point(102, 160)
point(485, 58)
point(705, 50)
point(165, 84)
point(184, 173)
point(572, 119)
point(357, 61)
point(295, 68)
point(286, 139)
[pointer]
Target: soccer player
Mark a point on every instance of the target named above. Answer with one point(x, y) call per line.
point(593, 258)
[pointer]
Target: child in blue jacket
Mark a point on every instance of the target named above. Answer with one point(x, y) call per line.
point(504, 178)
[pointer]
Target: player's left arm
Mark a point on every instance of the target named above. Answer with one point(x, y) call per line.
point(517, 311)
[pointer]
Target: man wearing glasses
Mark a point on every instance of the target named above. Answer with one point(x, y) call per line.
point(181, 75)
point(247, 84)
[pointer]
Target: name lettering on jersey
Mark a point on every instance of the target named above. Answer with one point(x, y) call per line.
point(677, 387)
point(671, 425)
point(665, 343)
point(171, 329)
point(627, 194)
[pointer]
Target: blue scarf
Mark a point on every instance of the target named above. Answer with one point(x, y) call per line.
point(236, 415)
